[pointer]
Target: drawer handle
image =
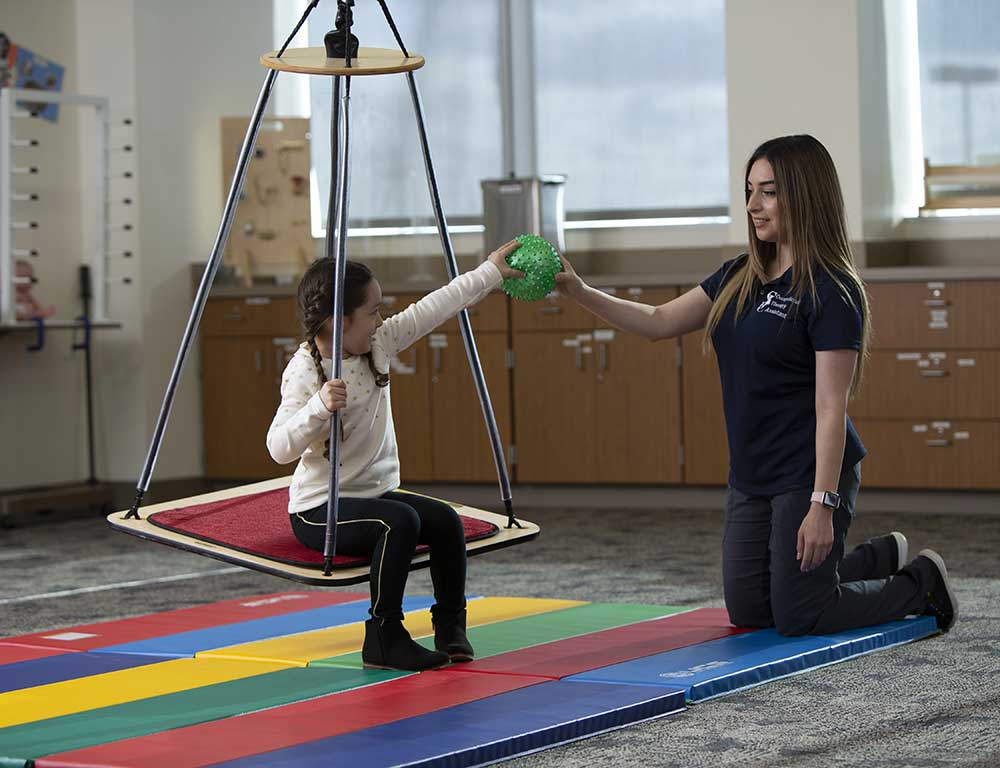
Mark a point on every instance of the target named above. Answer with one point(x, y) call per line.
point(232, 316)
point(936, 302)
point(938, 443)
point(550, 310)
point(933, 374)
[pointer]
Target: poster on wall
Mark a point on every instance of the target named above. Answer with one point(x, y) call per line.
point(22, 68)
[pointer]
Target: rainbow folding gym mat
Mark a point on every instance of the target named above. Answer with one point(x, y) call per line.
point(277, 680)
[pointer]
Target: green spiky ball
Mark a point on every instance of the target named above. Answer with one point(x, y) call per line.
point(539, 261)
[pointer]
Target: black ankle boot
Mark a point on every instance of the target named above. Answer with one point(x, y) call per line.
point(449, 637)
point(389, 646)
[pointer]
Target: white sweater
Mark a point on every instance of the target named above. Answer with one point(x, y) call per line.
point(369, 461)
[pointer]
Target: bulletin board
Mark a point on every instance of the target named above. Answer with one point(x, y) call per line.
point(271, 238)
point(22, 68)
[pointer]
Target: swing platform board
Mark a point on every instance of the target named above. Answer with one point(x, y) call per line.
point(144, 529)
point(369, 61)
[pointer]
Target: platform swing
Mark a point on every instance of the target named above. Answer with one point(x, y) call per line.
point(248, 525)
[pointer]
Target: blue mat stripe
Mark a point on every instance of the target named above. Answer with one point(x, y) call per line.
point(484, 731)
point(68, 666)
point(722, 666)
point(187, 644)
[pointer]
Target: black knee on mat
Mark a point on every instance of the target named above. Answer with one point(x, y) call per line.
point(750, 616)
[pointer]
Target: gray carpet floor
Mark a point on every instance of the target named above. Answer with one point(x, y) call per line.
point(932, 703)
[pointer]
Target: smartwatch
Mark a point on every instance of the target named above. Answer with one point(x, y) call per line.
point(826, 498)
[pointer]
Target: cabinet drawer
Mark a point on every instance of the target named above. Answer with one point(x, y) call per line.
point(393, 303)
point(941, 315)
point(555, 312)
point(902, 385)
point(930, 454)
point(250, 316)
point(488, 315)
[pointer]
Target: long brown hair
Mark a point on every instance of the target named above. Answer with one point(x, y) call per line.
point(315, 307)
point(811, 217)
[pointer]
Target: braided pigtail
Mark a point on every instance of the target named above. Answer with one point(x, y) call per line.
point(318, 360)
point(381, 379)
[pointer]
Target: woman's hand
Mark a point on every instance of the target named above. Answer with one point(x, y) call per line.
point(499, 257)
point(568, 280)
point(815, 537)
point(334, 394)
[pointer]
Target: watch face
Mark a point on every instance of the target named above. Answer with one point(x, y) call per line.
point(831, 500)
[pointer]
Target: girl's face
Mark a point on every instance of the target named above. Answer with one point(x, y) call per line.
point(359, 326)
point(762, 201)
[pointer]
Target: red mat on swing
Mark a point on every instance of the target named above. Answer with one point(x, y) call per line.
point(258, 524)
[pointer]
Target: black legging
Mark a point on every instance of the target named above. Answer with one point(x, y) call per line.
point(387, 529)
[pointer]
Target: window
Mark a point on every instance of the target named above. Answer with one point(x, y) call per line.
point(460, 88)
point(960, 81)
point(631, 104)
point(629, 101)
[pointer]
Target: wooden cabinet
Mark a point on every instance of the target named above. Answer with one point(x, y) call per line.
point(638, 403)
point(957, 384)
point(555, 312)
point(928, 407)
point(930, 454)
point(555, 408)
point(706, 448)
point(461, 450)
point(409, 392)
point(245, 345)
point(935, 315)
point(593, 405)
point(250, 316)
point(440, 429)
point(587, 404)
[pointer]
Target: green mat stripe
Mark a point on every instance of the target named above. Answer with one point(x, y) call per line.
point(515, 634)
point(176, 710)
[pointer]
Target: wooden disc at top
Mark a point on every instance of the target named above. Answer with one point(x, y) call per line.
point(369, 61)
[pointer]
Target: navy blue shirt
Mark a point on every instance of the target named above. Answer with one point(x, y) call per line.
point(767, 363)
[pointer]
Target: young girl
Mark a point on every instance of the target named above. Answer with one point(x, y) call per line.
point(374, 520)
point(789, 322)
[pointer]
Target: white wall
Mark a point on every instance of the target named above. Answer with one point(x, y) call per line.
point(105, 66)
point(177, 68)
point(42, 418)
point(792, 67)
point(196, 63)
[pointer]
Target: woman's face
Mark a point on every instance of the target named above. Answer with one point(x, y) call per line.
point(359, 326)
point(762, 201)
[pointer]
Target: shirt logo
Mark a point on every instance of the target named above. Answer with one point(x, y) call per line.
point(776, 304)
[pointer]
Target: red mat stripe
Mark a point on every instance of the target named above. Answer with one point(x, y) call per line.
point(209, 743)
point(12, 653)
point(183, 620)
point(575, 655)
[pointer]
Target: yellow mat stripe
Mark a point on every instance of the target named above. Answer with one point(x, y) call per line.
point(85, 693)
point(300, 649)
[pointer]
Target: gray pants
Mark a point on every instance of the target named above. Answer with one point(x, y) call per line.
point(765, 587)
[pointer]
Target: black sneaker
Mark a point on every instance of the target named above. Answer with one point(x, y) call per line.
point(890, 554)
point(941, 601)
point(900, 550)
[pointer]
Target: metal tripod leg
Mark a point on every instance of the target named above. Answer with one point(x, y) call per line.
point(208, 276)
point(336, 248)
point(463, 317)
